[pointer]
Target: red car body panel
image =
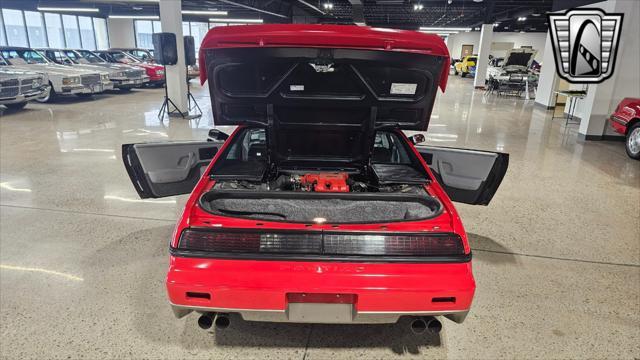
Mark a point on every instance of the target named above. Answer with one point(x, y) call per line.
point(236, 285)
point(627, 113)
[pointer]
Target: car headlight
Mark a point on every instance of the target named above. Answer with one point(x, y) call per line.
point(119, 74)
point(71, 80)
point(104, 77)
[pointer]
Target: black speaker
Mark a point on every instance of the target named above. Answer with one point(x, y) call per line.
point(189, 50)
point(165, 48)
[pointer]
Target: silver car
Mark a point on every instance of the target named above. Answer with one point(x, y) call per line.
point(122, 76)
point(17, 88)
point(63, 79)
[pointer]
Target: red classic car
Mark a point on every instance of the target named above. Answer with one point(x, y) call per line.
point(626, 121)
point(154, 71)
point(318, 208)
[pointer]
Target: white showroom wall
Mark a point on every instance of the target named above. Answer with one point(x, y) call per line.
point(536, 40)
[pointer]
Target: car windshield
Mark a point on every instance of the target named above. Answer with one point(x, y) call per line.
point(21, 57)
point(89, 56)
point(3, 61)
point(75, 57)
point(472, 59)
point(124, 57)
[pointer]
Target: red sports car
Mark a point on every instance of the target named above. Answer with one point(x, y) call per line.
point(154, 71)
point(318, 208)
point(626, 121)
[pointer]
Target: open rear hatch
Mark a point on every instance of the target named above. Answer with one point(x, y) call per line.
point(338, 82)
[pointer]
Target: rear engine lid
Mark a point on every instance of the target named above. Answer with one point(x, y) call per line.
point(336, 78)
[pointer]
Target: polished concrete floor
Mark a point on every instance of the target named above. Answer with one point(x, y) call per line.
point(82, 259)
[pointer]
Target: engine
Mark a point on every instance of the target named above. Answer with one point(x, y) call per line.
point(324, 182)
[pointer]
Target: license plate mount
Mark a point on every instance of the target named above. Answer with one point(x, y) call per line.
point(320, 313)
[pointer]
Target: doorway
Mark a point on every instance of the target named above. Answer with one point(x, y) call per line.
point(466, 50)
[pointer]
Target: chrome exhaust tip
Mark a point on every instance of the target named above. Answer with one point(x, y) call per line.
point(205, 321)
point(222, 321)
point(418, 326)
point(434, 325)
point(428, 323)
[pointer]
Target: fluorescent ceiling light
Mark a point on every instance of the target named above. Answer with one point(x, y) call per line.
point(44, 8)
point(444, 29)
point(147, 17)
point(439, 32)
point(254, 21)
point(207, 12)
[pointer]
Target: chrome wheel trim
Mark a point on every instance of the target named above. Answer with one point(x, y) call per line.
point(633, 141)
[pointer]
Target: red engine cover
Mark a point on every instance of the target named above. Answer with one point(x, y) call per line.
point(326, 182)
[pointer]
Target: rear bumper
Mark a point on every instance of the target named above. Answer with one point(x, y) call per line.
point(258, 290)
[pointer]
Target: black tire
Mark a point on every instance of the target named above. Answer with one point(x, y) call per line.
point(455, 72)
point(463, 74)
point(632, 141)
point(16, 106)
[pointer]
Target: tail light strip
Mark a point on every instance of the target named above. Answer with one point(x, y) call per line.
point(319, 243)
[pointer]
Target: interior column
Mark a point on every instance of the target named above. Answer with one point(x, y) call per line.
point(486, 38)
point(548, 81)
point(176, 75)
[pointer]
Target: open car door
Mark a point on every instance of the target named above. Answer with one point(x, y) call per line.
point(167, 168)
point(468, 176)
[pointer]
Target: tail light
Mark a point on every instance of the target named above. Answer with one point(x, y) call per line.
point(321, 243)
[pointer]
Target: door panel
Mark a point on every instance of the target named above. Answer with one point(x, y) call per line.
point(468, 176)
point(167, 168)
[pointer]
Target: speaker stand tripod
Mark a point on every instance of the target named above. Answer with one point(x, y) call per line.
point(191, 99)
point(164, 109)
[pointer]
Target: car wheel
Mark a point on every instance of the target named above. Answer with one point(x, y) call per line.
point(16, 106)
point(633, 142)
point(50, 96)
point(463, 74)
point(455, 72)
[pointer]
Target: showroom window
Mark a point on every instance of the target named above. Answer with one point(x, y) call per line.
point(71, 31)
point(35, 29)
point(185, 28)
point(86, 33)
point(3, 38)
point(102, 35)
point(198, 31)
point(144, 30)
point(14, 26)
point(55, 31)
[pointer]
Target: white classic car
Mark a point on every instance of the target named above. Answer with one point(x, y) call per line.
point(17, 88)
point(123, 76)
point(63, 79)
point(517, 61)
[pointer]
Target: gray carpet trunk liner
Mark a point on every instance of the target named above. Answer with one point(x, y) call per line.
point(345, 209)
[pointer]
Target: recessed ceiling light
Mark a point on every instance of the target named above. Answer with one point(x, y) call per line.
point(418, 7)
point(327, 6)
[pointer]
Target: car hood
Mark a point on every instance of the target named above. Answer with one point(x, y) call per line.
point(52, 69)
point(519, 59)
point(323, 76)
